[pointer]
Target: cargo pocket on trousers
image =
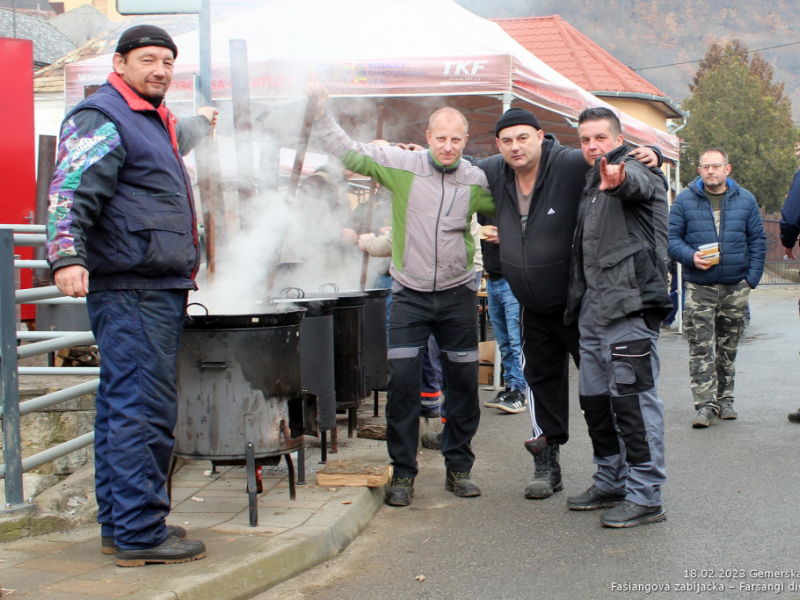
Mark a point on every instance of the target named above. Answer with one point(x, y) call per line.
point(633, 371)
point(631, 428)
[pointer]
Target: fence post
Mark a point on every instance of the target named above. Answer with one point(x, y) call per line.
point(9, 383)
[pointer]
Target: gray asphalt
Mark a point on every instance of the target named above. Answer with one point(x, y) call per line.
point(731, 498)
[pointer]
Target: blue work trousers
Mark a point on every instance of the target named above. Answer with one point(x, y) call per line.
point(504, 315)
point(450, 316)
point(138, 332)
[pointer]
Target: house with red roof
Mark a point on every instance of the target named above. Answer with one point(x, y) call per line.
point(575, 56)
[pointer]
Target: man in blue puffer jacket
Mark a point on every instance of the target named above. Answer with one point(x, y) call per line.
point(715, 209)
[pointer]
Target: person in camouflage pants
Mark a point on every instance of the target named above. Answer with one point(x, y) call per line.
point(714, 209)
point(714, 320)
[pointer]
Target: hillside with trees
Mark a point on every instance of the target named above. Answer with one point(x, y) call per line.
point(647, 33)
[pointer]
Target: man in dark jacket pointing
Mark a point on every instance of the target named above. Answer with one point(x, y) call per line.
point(714, 209)
point(618, 294)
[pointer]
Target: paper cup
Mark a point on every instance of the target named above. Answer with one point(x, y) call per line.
point(707, 249)
point(712, 258)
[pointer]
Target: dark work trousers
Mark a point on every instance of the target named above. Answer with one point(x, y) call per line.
point(619, 398)
point(546, 347)
point(450, 316)
point(138, 332)
point(431, 386)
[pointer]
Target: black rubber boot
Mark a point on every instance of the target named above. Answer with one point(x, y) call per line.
point(547, 476)
point(108, 546)
point(400, 492)
point(174, 550)
point(461, 484)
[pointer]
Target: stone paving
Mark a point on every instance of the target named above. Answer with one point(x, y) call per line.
point(291, 536)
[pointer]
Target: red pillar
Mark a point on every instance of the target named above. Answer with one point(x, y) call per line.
point(17, 144)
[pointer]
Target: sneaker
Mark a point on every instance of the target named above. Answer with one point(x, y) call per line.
point(400, 492)
point(794, 417)
point(432, 440)
point(629, 514)
point(726, 412)
point(495, 402)
point(514, 402)
point(594, 498)
point(705, 416)
point(173, 550)
point(461, 484)
point(107, 545)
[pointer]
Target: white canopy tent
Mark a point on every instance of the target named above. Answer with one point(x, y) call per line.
point(395, 52)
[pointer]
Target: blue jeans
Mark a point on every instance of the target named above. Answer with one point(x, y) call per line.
point(138, 332)
point(450, 316)
point(504, 315)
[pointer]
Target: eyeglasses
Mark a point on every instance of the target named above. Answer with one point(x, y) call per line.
point(714, 167)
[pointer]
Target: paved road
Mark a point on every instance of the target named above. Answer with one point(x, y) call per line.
point(732, 498)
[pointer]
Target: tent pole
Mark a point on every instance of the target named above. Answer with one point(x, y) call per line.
point(373, 186)
point(507, 98)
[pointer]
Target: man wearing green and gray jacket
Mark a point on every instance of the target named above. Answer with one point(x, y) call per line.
point(434, 195)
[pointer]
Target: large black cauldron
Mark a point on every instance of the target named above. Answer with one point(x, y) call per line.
point(240, 395)
point(376, 361)
point(348, 345)
point(317, 358)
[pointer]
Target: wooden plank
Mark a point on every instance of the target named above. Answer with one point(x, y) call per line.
point(350, 473)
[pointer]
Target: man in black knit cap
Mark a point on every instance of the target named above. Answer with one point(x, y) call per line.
point(122, 233)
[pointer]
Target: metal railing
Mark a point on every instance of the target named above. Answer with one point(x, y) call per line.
point(778, 270)
point(11, 409)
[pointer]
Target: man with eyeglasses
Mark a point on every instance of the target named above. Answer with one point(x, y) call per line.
point(715, 209)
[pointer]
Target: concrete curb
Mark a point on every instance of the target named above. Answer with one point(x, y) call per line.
point(325, 535)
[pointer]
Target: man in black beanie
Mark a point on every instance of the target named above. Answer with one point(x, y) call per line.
point(122, 233)
point(537, 184)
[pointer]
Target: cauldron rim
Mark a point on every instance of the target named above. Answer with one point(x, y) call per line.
point(244, 321)
point(343, 299)
point(315, 307)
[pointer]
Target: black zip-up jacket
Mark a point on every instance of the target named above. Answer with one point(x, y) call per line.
point(490, 252)
point(536, 262)
point(620, 250)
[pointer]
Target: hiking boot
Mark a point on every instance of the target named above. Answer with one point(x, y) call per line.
point(174, 550)
point(594, 498)
point(107, 545)
point(547, 475)
point(400, 492)
point(726, 412)
point(794, 417)
point(705, 416)
point(432, 440)
point(629, 514)
point(514, 402)
point(461, 484)
point(495, 402)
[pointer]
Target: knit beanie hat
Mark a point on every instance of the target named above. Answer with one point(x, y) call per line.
point(145, 35)
point(516, 116)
